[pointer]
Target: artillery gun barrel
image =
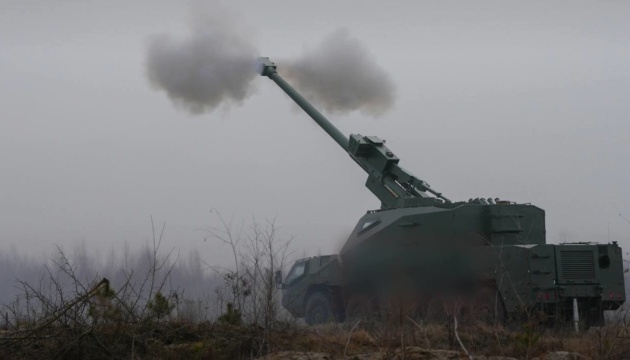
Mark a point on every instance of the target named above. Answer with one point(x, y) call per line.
point(391, 184)
point(268, 68)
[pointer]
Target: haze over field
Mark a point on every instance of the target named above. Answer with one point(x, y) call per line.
point(522, 101)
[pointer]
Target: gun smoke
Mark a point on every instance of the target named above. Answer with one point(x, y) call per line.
point(214, 66)
point(341, 75)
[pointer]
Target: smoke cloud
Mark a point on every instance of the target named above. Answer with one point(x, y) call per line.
point(214, 66)
point(342, 76)
point(210, 67)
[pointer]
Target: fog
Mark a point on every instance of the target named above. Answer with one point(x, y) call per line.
point(522, 101)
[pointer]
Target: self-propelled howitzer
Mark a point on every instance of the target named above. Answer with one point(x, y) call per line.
point(421, 247)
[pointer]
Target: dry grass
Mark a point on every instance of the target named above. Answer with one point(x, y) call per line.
point(612, 342)
point(173, 340)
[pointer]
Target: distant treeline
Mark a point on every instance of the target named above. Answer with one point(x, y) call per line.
point(187, 276)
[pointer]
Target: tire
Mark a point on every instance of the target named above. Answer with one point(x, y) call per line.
point(594, 319)
point(360, 308)
point(487, 306)
point(318, 309)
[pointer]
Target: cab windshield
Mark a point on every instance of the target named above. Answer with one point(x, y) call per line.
point(296, 271)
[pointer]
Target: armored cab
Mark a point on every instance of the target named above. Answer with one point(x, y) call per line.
point(489, 257)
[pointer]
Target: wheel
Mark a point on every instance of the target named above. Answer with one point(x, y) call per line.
point(438, 308)
point(318, 309)
point(594, 318)
point(487, 306)
point(360, 308)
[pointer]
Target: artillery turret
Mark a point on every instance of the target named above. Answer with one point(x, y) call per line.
point(419, 245)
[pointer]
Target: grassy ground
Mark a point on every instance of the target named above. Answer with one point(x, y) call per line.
point(172, 340)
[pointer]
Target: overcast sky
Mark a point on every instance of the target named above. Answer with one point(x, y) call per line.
point(527, 101)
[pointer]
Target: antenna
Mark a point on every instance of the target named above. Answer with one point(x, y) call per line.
point(625, 218)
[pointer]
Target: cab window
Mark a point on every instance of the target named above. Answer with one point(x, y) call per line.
point(368, 224)
point(296, 271)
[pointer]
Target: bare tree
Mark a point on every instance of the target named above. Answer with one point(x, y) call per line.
point(258, 253)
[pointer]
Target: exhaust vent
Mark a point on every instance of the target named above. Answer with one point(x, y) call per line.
point(577, 265)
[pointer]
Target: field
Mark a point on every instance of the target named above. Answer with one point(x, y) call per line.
point(143, 314)
point(62, 335)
